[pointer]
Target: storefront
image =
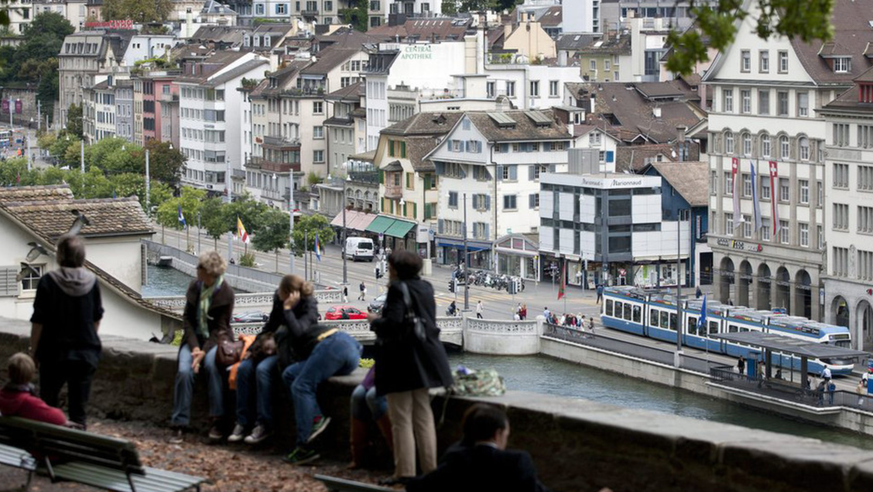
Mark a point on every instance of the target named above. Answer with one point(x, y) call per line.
point(518, 255)
point(356, 224)
point(393, 233)
point(451, 251)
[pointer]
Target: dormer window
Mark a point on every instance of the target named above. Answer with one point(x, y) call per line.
point(273, 83)
point(842, 64)
point(865, 93)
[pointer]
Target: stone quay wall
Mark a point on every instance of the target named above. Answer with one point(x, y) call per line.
point(577, 445)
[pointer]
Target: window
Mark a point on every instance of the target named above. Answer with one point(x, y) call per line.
point(534, 88)
point(318, 132)
point(804, 190)
point(259, 10)
point(747, 226)
point(842, 65)
point(841, 261)
point(784, 190)
point(785, 150)
point(509, 202)
point(453, 199)
point(728, 106)
point(803, 142)
point(765, 145)
point(746, 96)
point(592, 66)
point(865, 265)
point(745, 61)
point(509, 173)
point(841, 217)
point(318, 156)
point(510, 89)
point(841, 176)
point(865, 135)
point(728, 143)
point(841, 134)
point(783, 61)
point(819, 194)
point(782, 103)
point(728, 183)
point(763, 101)
point(865, 220)
point(31, 280)
point(534, 200)
point(865, 178)
point(281, 9)
point(553, 88)
point(713, 183)
point(747, 185)
point(783, 231)
point(802, 104)
point(820, 234)
point(729, 224)
point(489, 90)
point(764, 61)
point(765, 229)
point(318, 107)
point(747, 145)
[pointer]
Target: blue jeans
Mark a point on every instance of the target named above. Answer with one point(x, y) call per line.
point(250, 377)
point(185, 387)
point(336, 355)
point(366, 405)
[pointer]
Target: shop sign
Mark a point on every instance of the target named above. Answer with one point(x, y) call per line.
point(739, 245)
point(417, 52)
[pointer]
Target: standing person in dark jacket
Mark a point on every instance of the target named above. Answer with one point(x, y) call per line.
point(407, 367)
point(66, 316)
point(206, 319)
point(481, 461)
point(318, 353)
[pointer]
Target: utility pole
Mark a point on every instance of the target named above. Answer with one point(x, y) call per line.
point(678, 356)
point(466, 261)
point(345, 267)
point(291, 213)
point(148, 210)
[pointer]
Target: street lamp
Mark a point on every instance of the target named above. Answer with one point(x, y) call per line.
point(345, 206)
point(465, 259)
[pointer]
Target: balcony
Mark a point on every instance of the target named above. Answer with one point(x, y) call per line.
point(304, 91)
point(367, 177)
point(272, 166)
point(393, 191)
point(280, 143)
point(169, 98)
point(309, 13)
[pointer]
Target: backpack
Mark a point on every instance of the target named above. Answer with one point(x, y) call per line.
point(485, 382)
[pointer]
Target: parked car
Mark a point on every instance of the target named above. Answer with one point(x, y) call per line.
point(344, 312)
point(377, 304)
point(250, 317)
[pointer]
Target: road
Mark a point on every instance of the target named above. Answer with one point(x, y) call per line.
point(496, 304)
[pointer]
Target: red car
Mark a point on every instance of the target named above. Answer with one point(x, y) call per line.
point(344, 312)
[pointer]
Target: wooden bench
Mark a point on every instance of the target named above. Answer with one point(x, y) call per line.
point(77, 456)
point(335, 484)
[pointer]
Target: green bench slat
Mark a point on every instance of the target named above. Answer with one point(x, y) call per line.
point(335, 484)
point(18, 458)
point(117, 481)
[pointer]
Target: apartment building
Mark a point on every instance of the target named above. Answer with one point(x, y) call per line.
point(848, 206)
point(124, 110)
point(488, 167)
point(767, 97)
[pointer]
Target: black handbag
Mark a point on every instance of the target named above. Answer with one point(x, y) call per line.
point(412, 318)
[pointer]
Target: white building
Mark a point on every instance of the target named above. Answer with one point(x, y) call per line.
point(209, 120)
point(493, 161)
point(104, 110)
point(766, 101)
point(530, 86)
point(581, 16)
point(848, 183)
point(148, 46)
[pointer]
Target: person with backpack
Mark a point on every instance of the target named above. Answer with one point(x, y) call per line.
point(410, 359)
point(363, 289)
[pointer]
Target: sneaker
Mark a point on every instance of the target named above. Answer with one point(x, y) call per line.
point(319, 423)
point(238, 434)
point(215, 434)
point(178, 436)
point(260, 434)
point(301, 456)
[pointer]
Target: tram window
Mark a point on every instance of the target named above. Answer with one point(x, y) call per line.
point(733, 329)
point(618, 308)
point(653, 318)
point(665, 321)
point(713, 327)
point(608, 307)
point(637, 314)
point(673, 321)
point(692, 325)
point(627, 311)
point(743, 330)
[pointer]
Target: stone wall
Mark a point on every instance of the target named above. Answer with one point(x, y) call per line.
point(577, 445)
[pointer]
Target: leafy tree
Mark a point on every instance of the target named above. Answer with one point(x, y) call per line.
point(273, 234)
point(74, 120)
point(214, 219)
point(165, 162)
point(142, 12)
point(159, 193)
point(717, 24)
point(248, 211)
point(356, 15)
point(189, 200)
point(306, 228)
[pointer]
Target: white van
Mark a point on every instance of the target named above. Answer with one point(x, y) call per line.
point(359, 248)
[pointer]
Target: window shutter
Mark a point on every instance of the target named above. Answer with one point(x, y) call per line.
point(487, 232)
point(9, 286)
point(531, 172)
point(513, 172)
point(391, 148)
point(414, 210)
point(552, 167)
point(499, 172)
point(610, 155)
point(439, 168)
point(440, 225)
point(532, 201)
point(381, 177)
point(475, 202)
point(403, 149)
point(487, 202)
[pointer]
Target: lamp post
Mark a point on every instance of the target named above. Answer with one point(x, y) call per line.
point(82, 155)
point(678, 355)
point(291, 214)
point(198, 232)
point(147, 181)
point(345, 206)
point(466, 261)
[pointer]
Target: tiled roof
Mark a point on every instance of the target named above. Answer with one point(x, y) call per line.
point(633, 158)
point(35, 193)
point(328, 59)
point(350, 92)
point(423, 29)
point(690, 179)
point(552, 17)
point(109, 217)
point(425, 124)
point(524, 128)
point(417, 148)
point(573, 42)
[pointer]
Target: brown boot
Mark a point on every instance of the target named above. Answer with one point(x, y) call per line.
point(384, 425)
point(358, 443)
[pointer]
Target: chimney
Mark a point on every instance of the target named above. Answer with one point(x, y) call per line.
point(680, 133)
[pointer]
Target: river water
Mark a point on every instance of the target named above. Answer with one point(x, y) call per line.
point(541, 374)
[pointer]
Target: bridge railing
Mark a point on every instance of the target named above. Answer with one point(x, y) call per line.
point(451, 329)
point(260, 299)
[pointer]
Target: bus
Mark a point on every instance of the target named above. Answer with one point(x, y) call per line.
point(5, 138)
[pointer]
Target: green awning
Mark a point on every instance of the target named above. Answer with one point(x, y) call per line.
point(380, 224)
point(400, 228)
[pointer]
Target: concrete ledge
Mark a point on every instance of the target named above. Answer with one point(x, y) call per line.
point(576, 444)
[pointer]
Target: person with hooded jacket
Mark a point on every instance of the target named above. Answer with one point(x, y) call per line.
point(66, 316)
point(407, 366)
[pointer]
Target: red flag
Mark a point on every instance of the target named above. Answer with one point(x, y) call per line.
point(563, 283)
point(774, 181)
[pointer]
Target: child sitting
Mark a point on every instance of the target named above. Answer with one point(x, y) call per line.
point(17, 398)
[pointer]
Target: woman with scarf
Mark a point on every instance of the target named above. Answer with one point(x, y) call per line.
point(208, 308)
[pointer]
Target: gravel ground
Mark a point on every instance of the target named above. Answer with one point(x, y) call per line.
point(229, 468)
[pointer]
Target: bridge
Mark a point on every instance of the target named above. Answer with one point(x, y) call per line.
point(259, 301)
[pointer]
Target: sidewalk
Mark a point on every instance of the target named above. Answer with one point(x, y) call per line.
point(235, 468)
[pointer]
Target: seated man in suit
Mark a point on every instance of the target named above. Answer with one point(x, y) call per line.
point(480, 461)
